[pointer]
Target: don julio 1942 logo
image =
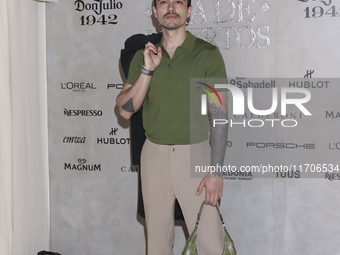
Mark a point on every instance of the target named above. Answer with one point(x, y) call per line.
point(98, 7)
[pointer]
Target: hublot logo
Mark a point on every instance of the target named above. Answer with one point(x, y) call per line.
point(113, 140)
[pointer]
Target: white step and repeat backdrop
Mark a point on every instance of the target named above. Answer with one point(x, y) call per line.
point(289, 43)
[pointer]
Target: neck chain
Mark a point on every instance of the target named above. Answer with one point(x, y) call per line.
point(171, 49)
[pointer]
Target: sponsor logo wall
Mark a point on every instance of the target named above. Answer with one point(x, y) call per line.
point(266, 45)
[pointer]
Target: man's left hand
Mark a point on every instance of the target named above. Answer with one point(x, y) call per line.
point(213, 189)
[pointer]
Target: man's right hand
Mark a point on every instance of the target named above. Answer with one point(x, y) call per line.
point(152, 56)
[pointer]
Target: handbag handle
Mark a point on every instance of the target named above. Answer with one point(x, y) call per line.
point(229, 248)
point(218, 211)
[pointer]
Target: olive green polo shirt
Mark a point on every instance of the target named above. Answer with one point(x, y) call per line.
point(166, 108)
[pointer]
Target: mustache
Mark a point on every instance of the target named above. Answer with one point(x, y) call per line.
point(171, 13)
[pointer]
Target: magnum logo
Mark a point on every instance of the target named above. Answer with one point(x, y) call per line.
point(82, 166)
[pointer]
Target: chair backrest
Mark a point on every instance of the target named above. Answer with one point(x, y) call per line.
point(48, 253)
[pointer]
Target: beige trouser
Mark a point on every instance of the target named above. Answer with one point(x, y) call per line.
point(165, 176)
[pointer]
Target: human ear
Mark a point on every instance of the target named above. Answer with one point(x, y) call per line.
point(189, 11)
point(154, 11)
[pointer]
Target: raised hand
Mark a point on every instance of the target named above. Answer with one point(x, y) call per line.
point(152, 56)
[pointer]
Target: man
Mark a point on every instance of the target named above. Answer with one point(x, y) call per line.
point(159, 79)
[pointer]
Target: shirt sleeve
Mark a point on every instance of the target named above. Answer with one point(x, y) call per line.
point(135, 67)
point(216, 66)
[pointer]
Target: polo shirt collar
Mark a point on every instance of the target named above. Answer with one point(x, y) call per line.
point(188, 43)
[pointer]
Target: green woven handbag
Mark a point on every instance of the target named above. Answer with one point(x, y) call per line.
point(190, 246)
